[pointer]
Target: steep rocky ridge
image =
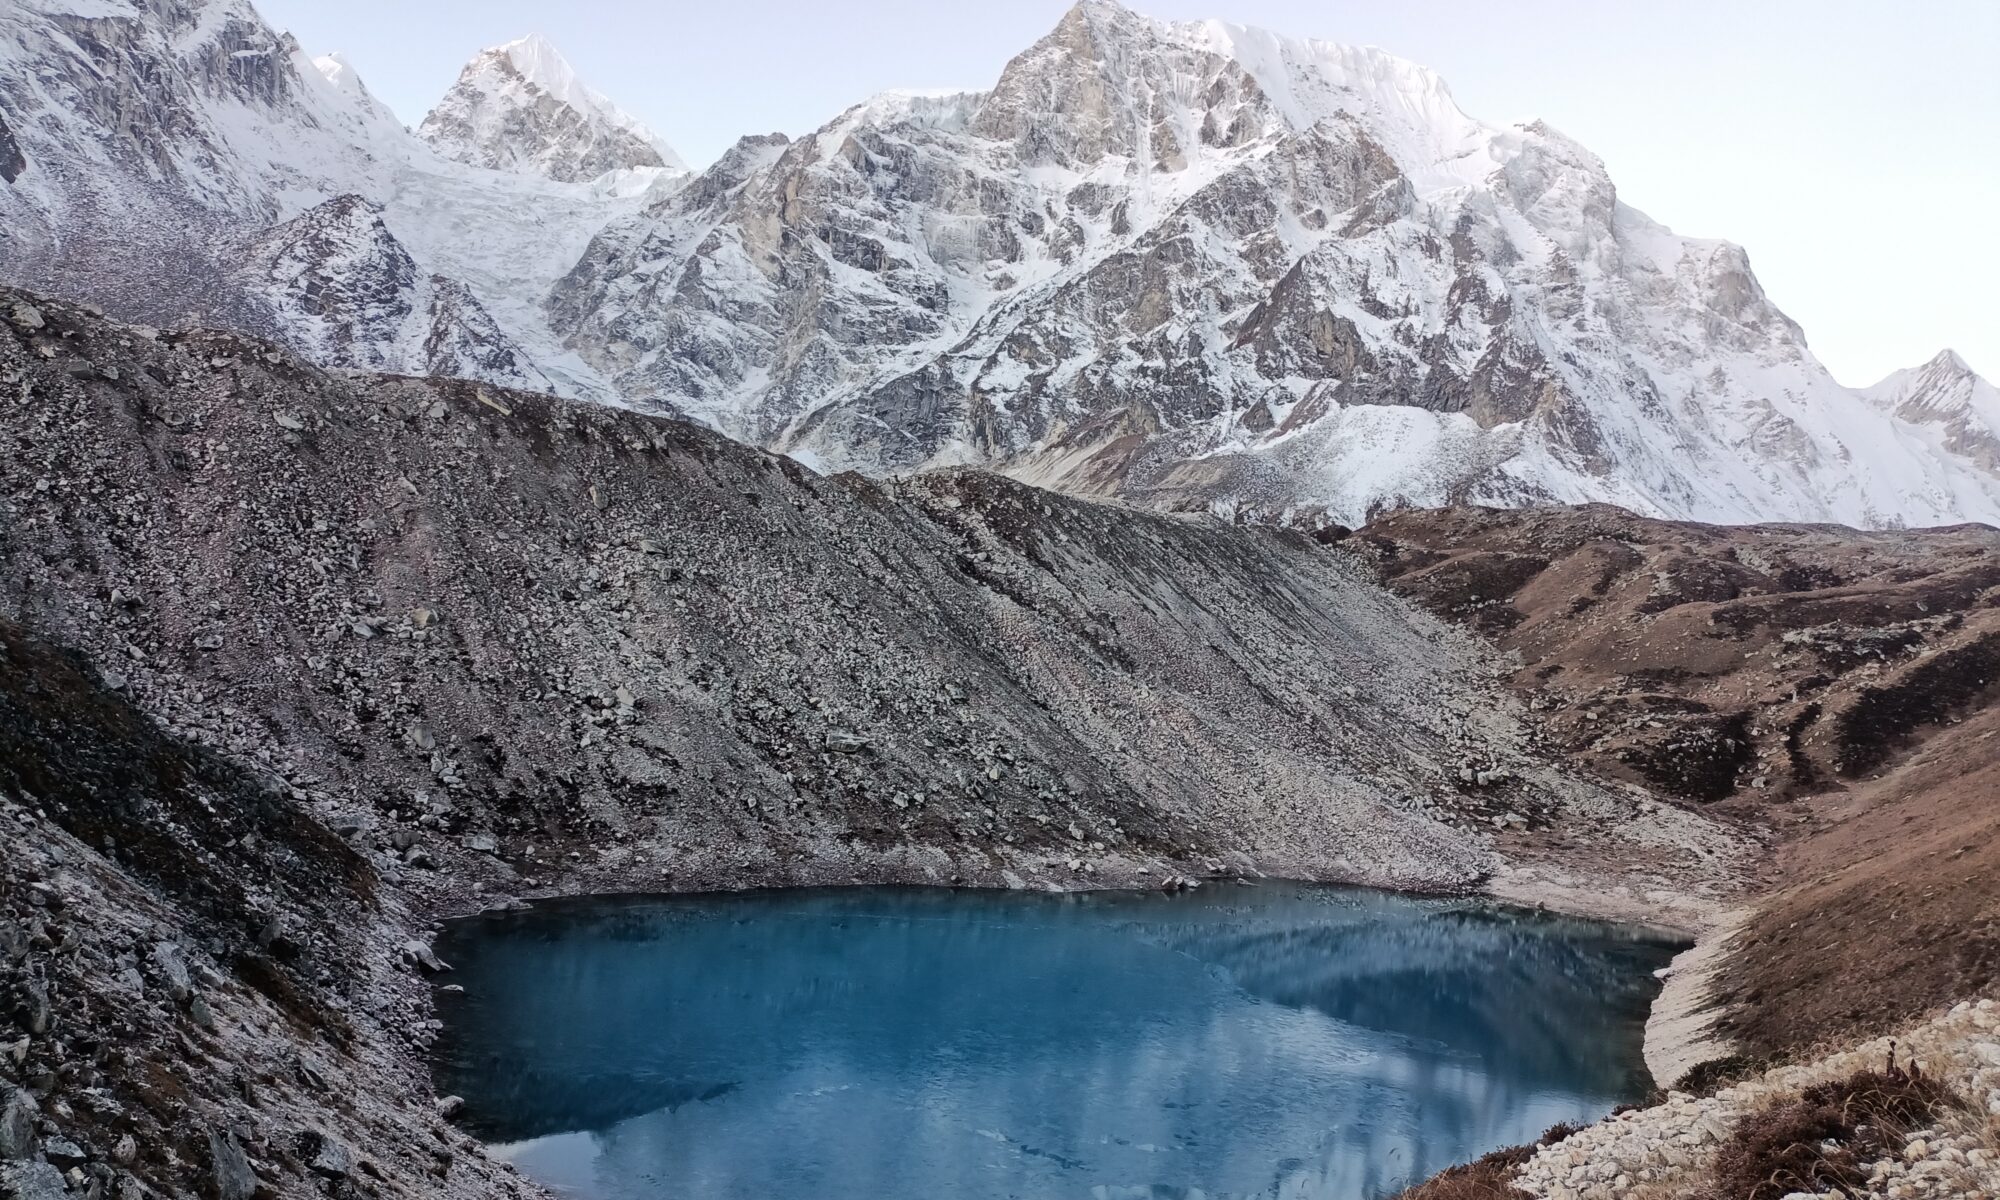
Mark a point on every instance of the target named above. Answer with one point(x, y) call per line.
point(1947, 396)
point(345, 290)
point(202, 976)
point(621, 608)
point(502, 644)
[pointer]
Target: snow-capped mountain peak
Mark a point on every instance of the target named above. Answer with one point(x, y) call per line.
point(1202, 265)
point(1949, 399)
point(354, 97)
point(521, 107)
point(541, 64)
point(336, 70)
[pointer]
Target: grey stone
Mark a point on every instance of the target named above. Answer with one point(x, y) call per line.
point(17, 1123)
point(64, 1153)
point(419, 953)
point(36, 1181)
point(325, 1155)
point(231, 1173)
point(33, 1011)
point(173, 968)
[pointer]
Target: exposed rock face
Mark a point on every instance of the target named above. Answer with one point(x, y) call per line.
point(115, 107)
point(212, 954)
point(12, 161)
point(565, 626)
point(520, 107)
point(335, 283)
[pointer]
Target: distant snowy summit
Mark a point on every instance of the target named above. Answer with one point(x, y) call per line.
point(1947, 398)
point(520, 107)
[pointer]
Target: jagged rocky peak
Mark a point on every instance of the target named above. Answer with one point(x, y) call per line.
point(520, 107)
point(336, 281)
point(1202, 265)
point(1945, 385)
point(1107, 82)
point(1949, 397)
point(1110, 82)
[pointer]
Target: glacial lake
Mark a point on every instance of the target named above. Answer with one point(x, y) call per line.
point(1279, 1041)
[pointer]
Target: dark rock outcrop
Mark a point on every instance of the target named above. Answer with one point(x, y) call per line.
point(12, 161)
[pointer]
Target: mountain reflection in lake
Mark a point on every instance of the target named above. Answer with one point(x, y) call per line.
point(1282, 1041)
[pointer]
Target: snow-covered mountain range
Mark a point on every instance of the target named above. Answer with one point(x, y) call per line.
point(1191, 264)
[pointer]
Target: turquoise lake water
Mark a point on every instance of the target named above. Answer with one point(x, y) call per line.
point(1278, 1041)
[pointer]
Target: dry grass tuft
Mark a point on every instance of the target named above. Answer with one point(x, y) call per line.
point(1490, 1177)
point(1827, 1136)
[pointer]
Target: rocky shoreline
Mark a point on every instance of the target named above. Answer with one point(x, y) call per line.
point(1665, 1149)
point(1680, 1033)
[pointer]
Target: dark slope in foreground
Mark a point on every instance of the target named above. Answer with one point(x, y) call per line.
point(184, 952)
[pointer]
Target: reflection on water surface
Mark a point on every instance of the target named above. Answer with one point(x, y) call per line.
point(1281, 1041)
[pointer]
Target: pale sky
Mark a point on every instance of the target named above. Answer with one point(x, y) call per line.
point(1852, 147)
